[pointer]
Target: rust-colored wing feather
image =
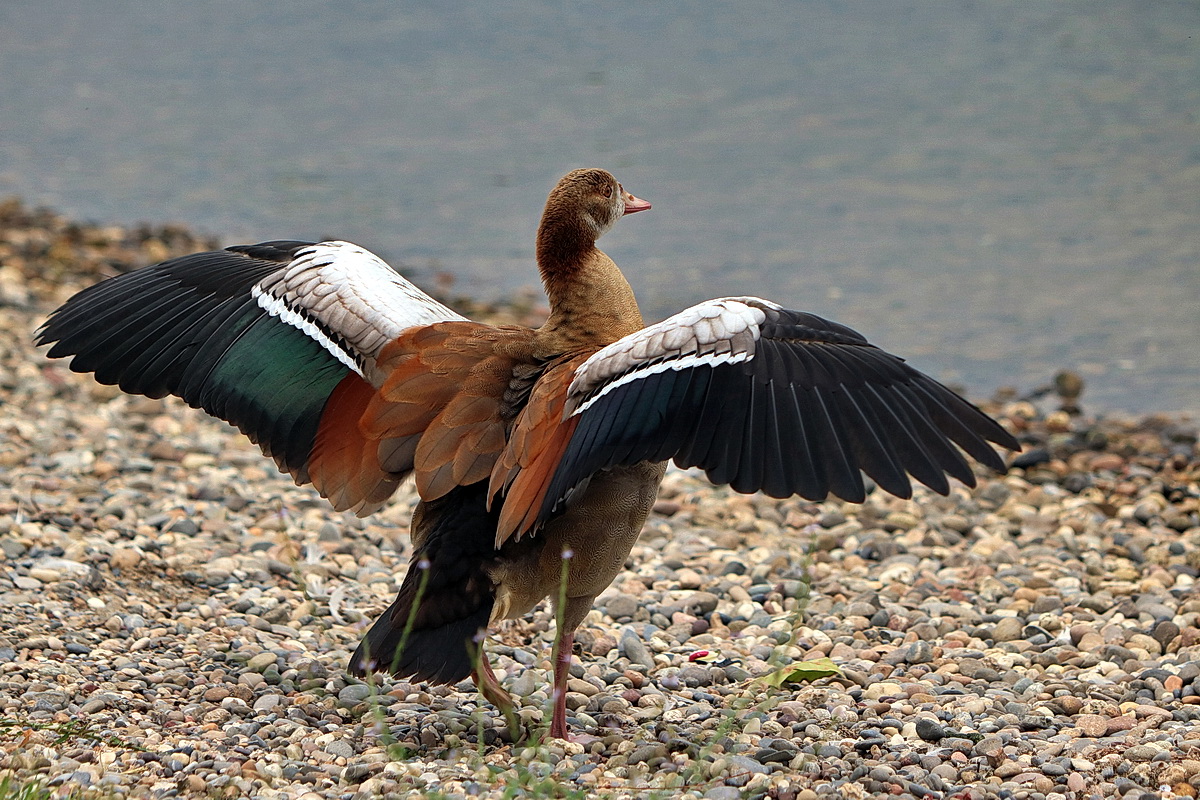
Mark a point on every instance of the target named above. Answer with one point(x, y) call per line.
point(443, 413)
point(524, 470)
point(445, 409)
point(345, 464)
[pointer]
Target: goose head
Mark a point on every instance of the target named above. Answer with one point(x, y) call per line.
point(590, 201)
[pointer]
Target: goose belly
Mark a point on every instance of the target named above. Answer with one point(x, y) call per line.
point(598, 530)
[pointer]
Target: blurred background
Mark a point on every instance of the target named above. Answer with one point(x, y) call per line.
point(994, 190)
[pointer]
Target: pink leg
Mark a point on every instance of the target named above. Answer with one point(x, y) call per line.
point(562, 665)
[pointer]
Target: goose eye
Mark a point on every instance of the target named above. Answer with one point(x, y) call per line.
point(608, 191)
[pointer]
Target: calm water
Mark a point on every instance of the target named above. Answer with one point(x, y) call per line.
point(995, 190)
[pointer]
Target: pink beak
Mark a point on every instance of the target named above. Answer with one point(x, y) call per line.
point(635, 204)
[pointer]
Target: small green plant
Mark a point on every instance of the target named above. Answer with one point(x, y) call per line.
point(801, 672)
point(527, 783)
point(11, 789)
point(68, 731)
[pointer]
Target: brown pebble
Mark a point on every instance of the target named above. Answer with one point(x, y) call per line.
point(680, 618)
point(125, 558)
point(164, 451)
point(1070, 704)
point(582, 687)
point(667, 508)
point(1121, 723)
point(1107, 462)
point(1092, 725)
point(1008, 629)
point(1172, 774)
point(1038, 782)
point(602, 644)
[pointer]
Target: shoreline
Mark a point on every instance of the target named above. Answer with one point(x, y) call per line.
point(80, 252)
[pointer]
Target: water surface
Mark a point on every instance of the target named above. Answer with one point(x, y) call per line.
point(995, 190)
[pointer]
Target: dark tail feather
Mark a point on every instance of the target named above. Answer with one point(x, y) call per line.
point(445, 654)
point(447, 596)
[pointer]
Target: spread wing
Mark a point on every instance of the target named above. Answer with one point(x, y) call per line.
point(760, 398)
point(282, 339)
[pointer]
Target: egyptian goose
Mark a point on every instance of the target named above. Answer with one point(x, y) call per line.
point(527, 445)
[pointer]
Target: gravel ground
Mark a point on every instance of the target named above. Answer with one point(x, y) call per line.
point(177, 616)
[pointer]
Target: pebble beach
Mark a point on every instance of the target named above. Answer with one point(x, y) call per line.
point(176, 616)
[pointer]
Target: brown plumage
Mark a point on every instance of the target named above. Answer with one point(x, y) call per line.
point(533, 450)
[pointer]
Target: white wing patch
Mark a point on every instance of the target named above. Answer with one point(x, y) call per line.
point(352, 293)
point(278, 308)
point(687, 362)
point(722, 331)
